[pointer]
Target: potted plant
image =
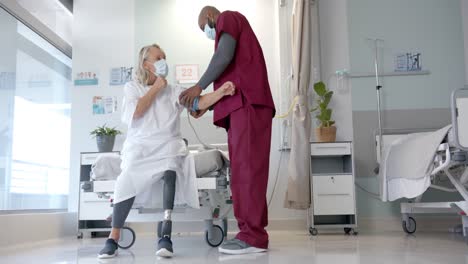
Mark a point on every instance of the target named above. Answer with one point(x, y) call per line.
point(105, 137)
point(326, 130)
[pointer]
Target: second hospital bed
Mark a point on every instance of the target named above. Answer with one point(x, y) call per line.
point(415, 162)
point(212, 169)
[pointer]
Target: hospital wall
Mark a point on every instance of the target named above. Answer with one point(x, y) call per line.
point(431, 27)
point(104, 39)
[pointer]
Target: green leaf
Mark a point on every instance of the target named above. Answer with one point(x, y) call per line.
point(327, 97)
point(105, 131)
point(320, 88)
point(329, 114)
point(323, 106)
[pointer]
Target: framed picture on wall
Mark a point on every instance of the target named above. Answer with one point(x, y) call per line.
point(187, 73)
point(408, 61)
point(120, 75)
point(86, 78)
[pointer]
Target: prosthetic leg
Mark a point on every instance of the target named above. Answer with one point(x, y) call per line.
point(165, 227)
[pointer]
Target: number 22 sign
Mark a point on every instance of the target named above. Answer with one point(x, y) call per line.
point(187, 73)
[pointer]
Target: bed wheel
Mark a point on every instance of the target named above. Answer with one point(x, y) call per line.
point(313, 231)
point(350, 231)
point(127, 238)
point(410, 226)
point(217, 236)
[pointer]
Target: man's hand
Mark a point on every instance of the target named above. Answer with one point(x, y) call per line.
point(186, 98)
point(198, 113)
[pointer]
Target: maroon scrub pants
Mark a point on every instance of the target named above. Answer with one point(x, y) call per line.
point(249, 139)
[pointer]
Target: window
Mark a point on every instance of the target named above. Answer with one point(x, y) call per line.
point(35, 81)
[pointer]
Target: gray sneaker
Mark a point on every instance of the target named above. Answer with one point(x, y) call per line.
point(165, 248)
point(109, 250)
point(238, 247)
point(229, 241)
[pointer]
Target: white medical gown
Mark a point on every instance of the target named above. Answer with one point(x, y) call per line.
point(153, 145)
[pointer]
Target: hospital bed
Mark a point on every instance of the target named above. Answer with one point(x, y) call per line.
point(213, 173)
point(450, 160)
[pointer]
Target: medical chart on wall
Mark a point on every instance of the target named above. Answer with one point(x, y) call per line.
point(408, 61)
point(120, 75)
point(86, 78)
point(103, 105)
point(187, 73)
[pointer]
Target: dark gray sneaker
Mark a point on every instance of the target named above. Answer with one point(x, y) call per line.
point(238, 247)
point(229, 241)
point(165, 248)
point(109, 250)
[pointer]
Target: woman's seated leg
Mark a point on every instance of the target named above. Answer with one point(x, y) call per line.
point(119, 215)
point(165, 244)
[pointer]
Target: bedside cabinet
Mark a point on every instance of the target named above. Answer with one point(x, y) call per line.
point(93, 208)
point(332, 188)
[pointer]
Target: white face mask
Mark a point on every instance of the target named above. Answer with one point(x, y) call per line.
point(162, 69)
point(210, 32)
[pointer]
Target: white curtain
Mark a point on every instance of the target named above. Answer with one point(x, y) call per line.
point(298, 189)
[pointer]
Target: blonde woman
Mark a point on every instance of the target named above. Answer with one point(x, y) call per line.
point(154, 150)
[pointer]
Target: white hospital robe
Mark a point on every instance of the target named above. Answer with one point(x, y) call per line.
point(153, 145)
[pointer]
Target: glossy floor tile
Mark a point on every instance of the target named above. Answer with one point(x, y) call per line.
point(286, 247)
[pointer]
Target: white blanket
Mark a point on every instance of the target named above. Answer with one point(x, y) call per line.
point(407, 165)
point(106, 167)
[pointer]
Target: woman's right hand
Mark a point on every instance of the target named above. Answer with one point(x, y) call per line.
point(160, 83)
point(198, 113)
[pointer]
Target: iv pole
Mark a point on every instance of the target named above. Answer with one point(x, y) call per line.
point(378, 87)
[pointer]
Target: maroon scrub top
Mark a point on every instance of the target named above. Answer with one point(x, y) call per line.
point(247, 69)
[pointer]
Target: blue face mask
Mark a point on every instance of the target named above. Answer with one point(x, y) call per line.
point(210, 32)
point(161, 67)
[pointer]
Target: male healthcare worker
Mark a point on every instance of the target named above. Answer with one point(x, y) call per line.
point(247, 117)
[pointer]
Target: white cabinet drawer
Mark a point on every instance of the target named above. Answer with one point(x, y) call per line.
point(330, 149)
point(333, 184)
point(334, 205)
point(90, 197)
point(333, 195)
point(88, 158)
point(104, 186)
point(94, 208)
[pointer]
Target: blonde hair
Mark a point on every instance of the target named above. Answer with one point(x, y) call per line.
point(143, 75)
